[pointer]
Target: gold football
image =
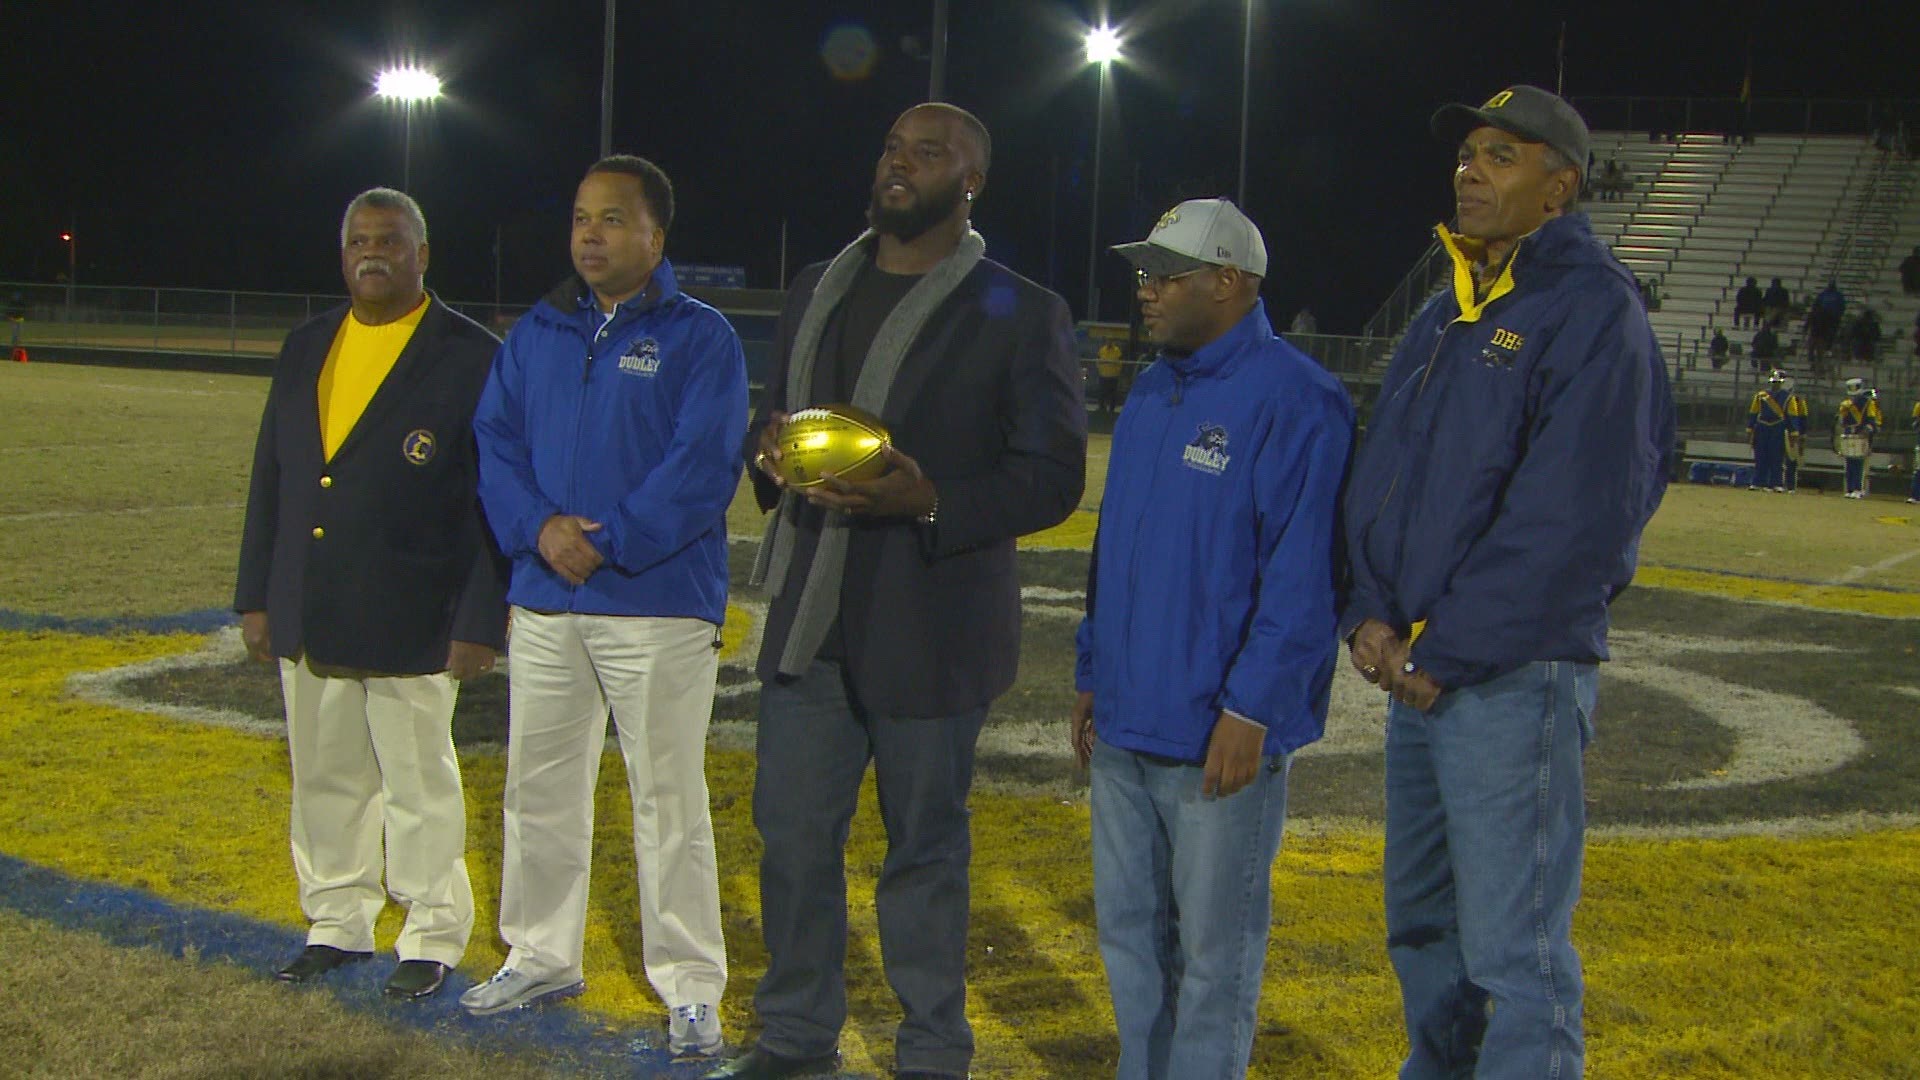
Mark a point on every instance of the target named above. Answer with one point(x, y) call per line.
point(839, 439)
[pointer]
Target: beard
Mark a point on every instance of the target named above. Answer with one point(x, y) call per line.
point(910, 222)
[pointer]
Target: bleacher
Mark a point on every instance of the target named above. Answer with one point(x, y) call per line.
point(1701, 215)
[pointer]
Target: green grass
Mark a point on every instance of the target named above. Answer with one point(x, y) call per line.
point(1757, 955)
point(78, 1007)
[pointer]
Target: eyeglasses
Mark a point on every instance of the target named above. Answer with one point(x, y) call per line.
point(1156, 282)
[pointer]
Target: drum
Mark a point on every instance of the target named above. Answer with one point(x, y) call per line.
point(1853, 446)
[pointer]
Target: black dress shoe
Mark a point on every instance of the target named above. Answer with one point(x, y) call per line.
point(763, 1064)
point(316, 960)
point(416, 979)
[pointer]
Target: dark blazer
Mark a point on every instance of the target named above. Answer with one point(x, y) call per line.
point(377, 559)
point(988, 400)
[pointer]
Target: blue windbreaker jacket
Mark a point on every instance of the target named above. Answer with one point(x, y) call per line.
point(636, 424)
point(1515, 453)
point(1214, 566)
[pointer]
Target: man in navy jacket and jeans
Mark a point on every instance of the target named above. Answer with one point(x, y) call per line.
point(607, 436)
point(1515, 453)
point(1208, 648)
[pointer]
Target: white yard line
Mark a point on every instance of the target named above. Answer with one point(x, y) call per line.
point(127, 511)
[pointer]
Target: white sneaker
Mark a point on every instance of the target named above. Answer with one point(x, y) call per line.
point(510, 989)
point(694, 1030)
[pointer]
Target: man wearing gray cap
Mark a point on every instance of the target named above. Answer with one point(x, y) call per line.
point(1217, 531)
point(1517, 449)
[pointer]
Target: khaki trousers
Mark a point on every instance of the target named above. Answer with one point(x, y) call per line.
point(373, 761)
point(656, 676)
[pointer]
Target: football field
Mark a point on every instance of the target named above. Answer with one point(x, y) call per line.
point(1753, 873)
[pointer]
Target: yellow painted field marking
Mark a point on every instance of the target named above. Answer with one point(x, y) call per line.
point(1852, 600)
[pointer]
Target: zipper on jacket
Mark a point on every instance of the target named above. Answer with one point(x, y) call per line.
point(1148, 499)
point(579, 425)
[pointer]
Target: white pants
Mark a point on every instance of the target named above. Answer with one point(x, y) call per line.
point(656, 675)
point(374, 756)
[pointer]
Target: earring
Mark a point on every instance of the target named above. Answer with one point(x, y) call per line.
point(969, 196)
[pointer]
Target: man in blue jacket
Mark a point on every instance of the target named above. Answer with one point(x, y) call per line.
point(1517, 449)
point(1208, 647)
point(607, 439)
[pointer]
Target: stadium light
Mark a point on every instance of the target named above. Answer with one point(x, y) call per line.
point(1103, 48)
point(1103, 44)
point(406, 85)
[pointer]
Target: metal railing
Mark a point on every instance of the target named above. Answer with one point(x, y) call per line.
point(1731, 115)
point(210, 322)
point(1429, 272)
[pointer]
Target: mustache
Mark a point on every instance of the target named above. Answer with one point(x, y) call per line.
point(370, 266)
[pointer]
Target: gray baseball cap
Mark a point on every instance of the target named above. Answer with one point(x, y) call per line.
point(1197, 234)
point(1529, 112)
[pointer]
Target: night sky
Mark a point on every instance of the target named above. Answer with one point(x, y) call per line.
point(215, 144)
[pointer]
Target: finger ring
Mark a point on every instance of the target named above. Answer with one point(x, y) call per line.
point(1370, 672)
point(1409, 669)
point(760, 460)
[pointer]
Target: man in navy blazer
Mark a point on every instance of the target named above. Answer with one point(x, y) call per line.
point(367, 570)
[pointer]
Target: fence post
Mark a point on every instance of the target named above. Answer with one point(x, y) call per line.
point(233, 324)
point(156, 318)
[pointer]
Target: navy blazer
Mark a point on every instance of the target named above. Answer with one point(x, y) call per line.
point(988, 400)
point(378, 559)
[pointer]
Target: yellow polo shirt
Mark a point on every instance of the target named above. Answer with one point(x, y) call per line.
point(356, 365)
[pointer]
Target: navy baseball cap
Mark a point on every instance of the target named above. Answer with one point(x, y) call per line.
point(1529, 112)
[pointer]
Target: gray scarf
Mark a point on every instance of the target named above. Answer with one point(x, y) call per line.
point(820, 596)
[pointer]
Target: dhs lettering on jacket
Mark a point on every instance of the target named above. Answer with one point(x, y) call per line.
point(1208, 450)
point(642, 359)
point(1502, 349)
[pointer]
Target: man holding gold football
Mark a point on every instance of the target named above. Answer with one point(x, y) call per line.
point(895, 611)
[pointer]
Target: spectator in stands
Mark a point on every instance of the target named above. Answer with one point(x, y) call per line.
point(1910, 273)
point(1775, 420)
point(1747, 303)
point(1766, 345)
point(1718, 348)
point(1613, 181)
point(1776, 301)
point(1866, 335)
point(1858, 421)
point(1823, 324)
point(1304, 323)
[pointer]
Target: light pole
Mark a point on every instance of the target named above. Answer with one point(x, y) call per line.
point(407, 85)
point(606, 83)
point(73, 269)
point(1246, 84)
point(1103, 47)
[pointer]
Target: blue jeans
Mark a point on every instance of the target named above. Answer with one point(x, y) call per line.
point(814, 742)
point(1183, 893)
point(1486, 820)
